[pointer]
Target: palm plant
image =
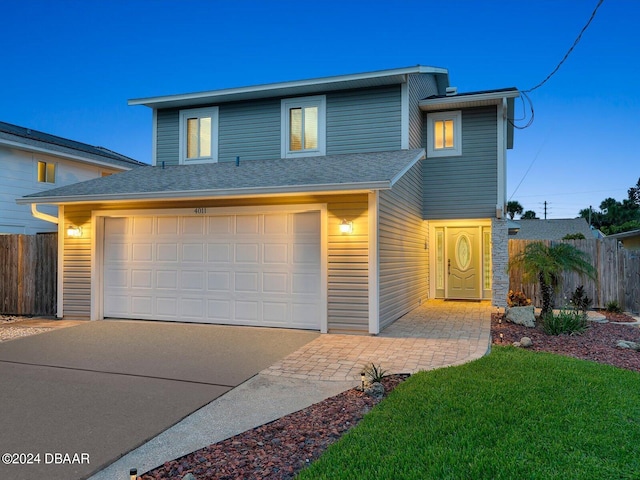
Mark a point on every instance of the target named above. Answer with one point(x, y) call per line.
point(545, 264)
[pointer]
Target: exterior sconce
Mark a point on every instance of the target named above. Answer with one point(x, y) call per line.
point(133, 473)
point(346, 227)
point(74, 232)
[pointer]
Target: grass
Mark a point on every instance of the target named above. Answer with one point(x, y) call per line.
point(512, 414)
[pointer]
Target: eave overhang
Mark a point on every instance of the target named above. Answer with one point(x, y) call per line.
point(293, 88)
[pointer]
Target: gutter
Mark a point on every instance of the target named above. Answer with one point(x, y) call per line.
point(200, 194)
point(43, 216)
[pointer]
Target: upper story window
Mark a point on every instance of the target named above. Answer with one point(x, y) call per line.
point(199, 135)
point(444, 137)
point(46, 172)
point(304, 126)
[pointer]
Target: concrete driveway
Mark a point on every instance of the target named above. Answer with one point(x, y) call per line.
point(74, 400)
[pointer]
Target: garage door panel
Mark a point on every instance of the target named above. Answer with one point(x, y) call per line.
point(232, 269)
point(142, 252)
point(141, 278)
point(219, 252)
point(247, 253)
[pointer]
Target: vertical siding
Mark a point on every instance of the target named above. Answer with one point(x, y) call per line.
point(77, 265)
point(465, 186)
point(168, 137)
point(364, 120)
point(250, 130)
point(347, 302)
point(402, 240)
point(419, 86)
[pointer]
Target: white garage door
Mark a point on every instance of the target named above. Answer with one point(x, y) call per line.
point(253, 269)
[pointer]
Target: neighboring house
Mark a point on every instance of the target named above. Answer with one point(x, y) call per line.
point(34, 161)
point(629, 240)
point(552, 229)
point(332, 204)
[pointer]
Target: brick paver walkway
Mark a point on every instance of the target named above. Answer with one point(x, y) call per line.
point(436, 334)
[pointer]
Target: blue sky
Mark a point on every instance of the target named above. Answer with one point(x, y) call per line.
point(69, 68)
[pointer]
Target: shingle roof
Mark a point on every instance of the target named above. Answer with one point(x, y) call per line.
point(553, 229)
point(358, 171)
point(34, 138)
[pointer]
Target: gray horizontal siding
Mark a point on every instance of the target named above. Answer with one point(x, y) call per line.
point(419, 86)
point(168, 137)
point(364, 120)
point(77, 265)
point(250, 130)
point(402, 240)
point(465, 186)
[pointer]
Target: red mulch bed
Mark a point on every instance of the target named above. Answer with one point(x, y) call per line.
point(280, 449)
point(597, 343)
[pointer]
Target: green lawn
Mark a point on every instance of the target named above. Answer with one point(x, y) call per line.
point(514, 414)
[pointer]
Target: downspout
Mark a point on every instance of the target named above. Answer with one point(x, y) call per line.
point(43, 216)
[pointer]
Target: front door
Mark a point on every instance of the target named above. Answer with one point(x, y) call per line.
point(463, 263)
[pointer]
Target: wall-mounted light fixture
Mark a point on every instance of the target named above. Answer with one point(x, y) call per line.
point(346, 227)
point(74, 232)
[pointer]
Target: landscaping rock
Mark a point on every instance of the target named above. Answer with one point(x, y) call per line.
point(375, 390)
point(525, 342)
point(521, 316)
point(189, 476)
point(628, 345)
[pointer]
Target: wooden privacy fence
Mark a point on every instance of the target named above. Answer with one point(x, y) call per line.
point(618, 275)
point(28, 277)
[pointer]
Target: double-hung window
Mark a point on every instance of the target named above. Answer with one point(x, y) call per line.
point(199, 135)
point(444, 138)
point(303, 126)
point(46, 172)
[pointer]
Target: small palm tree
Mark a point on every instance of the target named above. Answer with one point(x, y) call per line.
point(545, 263)
point(513, 208)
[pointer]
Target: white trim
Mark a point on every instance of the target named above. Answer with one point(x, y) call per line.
point(470, 100)
point(235, 193)
point(154, 138)
point(97, 244)
point(502, 159)
point(182, 138)
point(402, 172)
point(60, 286)
point(456, 151)
point(283, 88)
point(404, 116)
point(319, 101)
point(374, 259)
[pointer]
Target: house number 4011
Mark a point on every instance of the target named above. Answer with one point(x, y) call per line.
point(199, 211)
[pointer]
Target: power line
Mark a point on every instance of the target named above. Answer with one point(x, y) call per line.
point(525, 98)
point(575, 43)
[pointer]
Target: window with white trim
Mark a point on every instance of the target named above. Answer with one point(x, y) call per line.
point(46, 172)
point(304, 126)
point(444, 138)
point(199, 135)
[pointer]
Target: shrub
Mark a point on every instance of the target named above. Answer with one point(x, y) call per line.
point(517, 299)
point(613, 307)
point(579, 301)
point(566, 321)
point(374, 373)
point(574, 236)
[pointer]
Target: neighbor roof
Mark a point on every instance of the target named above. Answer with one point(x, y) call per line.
point(331, 173)
point(630, 233)
point(35, 140)
point(553, 229)
point(298, 87)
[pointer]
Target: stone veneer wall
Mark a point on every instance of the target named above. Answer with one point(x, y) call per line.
point(500, 245)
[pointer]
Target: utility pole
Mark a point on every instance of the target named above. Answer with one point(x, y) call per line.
point(590, 208)
point(545, 209)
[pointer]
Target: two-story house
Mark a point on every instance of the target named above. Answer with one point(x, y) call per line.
point(34, 161)
point(333, 204)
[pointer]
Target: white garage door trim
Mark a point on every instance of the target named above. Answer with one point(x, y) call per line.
point(98, 222)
